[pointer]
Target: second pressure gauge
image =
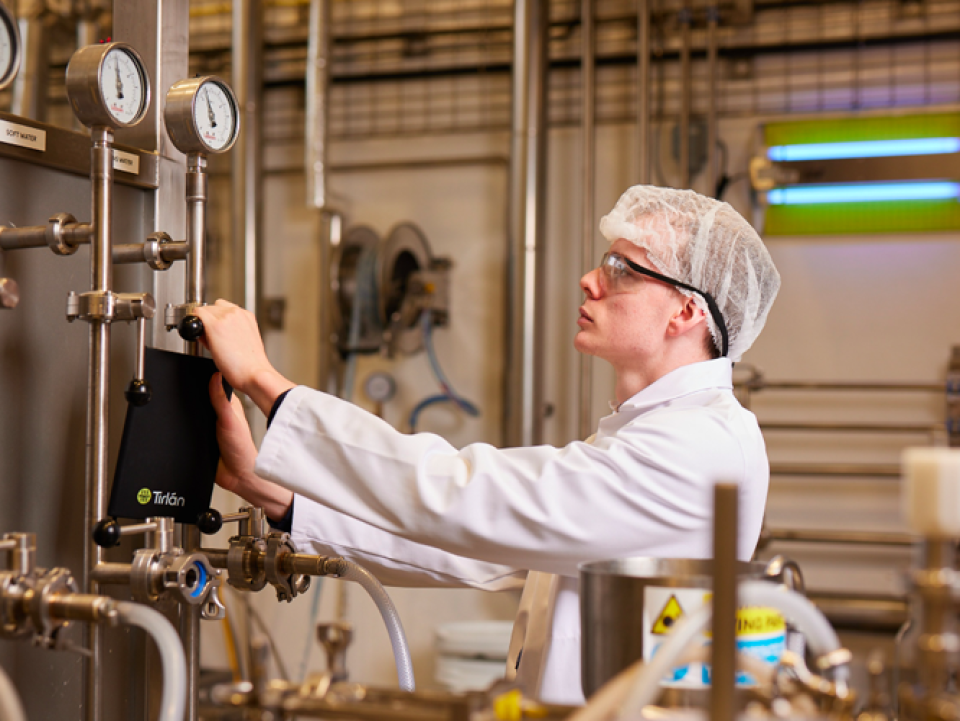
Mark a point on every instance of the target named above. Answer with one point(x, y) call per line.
point(108, 86)
point(202, 115)
point(9, 47)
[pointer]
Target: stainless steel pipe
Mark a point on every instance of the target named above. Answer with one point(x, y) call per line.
point(197, 194)
point(127, 253)
point(878, 470)
point(588, 139)
point(686, 95)
point(523, 393)
point(247, 181)
point(643, 92)
point(36, 236)
point(854, 538)
point(98, 407)
point(713, 172)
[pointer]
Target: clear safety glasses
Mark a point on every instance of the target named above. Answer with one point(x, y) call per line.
point(621, 275)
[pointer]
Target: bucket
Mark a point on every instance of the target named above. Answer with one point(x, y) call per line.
point(627, 607)
point(472, 654)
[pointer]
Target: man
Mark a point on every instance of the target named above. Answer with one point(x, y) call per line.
point(683, 292)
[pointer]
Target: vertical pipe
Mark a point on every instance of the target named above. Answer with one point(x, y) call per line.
point(588, 162)
point(713, 172)
point(98, 408)
point(247, 197)
point(643, 92)
point(523, 401)
point(686, 95)
point(317, 90)
point(724, 647)
point(30, 85)
point(196, 196)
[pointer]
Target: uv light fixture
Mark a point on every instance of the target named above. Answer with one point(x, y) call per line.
point(860, 175)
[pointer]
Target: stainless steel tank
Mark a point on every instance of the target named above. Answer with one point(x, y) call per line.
point(612, 602)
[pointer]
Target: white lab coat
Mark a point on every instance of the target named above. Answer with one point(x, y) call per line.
point(642, 486)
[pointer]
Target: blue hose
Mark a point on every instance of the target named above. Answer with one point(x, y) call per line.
point(449, 395)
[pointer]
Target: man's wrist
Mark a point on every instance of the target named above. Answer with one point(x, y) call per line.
point(265, 387)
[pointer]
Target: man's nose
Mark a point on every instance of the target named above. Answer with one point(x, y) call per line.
point(590, 284)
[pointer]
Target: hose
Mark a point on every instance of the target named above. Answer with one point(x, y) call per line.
point(796, 609)
point(449, 395)
point(398, 640)
point(174, 663)
point(10, 707)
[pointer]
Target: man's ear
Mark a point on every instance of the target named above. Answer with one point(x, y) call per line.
point(688, 317)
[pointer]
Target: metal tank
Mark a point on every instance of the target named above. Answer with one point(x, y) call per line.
point(612, 602)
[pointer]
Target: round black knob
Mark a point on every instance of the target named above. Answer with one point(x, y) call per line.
point(106, 533)
point(210, 521)
point(190, 328)
point(139, 392)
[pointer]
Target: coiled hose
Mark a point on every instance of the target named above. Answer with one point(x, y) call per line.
point(398, 640)
point(174, 697)
point(10, 707)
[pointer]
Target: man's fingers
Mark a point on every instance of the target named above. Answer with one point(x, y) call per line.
point(218, 396)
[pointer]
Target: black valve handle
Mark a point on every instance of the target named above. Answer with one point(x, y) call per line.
point(139, 392)
point(106, 533)
point(190, 328)
point(210, 521)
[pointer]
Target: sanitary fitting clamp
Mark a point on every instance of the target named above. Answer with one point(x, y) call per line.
point(107, 306)
point(187, 577)
point(253, 559)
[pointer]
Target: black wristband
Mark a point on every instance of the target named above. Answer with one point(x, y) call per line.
point(276, 406)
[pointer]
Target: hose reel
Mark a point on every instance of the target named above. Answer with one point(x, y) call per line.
point(382, 287)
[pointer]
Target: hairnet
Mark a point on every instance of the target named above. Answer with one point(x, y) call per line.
point(704, 243)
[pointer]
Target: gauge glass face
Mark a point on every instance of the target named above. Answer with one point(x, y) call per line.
point(379, 387)
point(122, 85)
point(214, 116)
point(8, 48)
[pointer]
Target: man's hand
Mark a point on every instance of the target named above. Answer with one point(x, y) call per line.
point(238, 456)
point(233, 338)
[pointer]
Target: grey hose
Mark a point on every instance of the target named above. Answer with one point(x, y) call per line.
point(174, 697)
point(10, 707)
point(401, 650)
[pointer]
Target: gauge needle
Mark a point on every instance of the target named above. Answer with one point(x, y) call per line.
point(116, 67)
point(210, 115)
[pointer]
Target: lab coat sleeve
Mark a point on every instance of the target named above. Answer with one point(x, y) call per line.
point(645, 491)
point(319, 530)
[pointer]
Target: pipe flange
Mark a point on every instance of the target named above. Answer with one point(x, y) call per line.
point(189, 578)
point(55, 582)
point(146, 575)
point(54, 234)
point(242, 570)
point(14, 623)
point(286, 585)
point(100, 305)
point(173, 314)
point(153, 250)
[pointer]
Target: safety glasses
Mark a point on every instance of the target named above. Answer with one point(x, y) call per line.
point(621, 275)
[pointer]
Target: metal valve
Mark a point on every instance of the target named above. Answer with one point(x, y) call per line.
point(139, 392)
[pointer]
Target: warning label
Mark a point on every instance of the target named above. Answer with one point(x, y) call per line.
point(670, 614)
point(761, 632)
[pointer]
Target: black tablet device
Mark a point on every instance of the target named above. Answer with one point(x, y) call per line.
point(169, 453)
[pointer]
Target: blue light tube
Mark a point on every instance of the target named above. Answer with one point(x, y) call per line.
point(864, 192)
point(863, 149)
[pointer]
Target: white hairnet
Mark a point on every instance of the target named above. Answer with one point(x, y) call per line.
point(704, 243)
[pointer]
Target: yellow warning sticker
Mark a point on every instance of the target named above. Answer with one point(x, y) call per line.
point(756, 620)
point(668, 617)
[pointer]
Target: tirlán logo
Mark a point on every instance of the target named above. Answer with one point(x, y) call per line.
point(145, 495)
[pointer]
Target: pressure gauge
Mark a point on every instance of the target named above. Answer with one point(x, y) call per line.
point(380, 387)
point(9, 47)
point(108, 86)
point(202, 115)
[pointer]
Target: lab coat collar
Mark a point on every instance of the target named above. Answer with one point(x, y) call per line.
point(682, 381)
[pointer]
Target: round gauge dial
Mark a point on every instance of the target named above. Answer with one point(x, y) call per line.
point(9, 47)
point(202, 116)
point(108, 86)
point(380, 387)
point(215, 116)
point(123, 86)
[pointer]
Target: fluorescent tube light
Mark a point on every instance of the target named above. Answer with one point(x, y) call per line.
point(863, 149)
point(863, 192)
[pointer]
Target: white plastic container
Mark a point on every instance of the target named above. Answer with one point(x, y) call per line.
point(472, 654)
